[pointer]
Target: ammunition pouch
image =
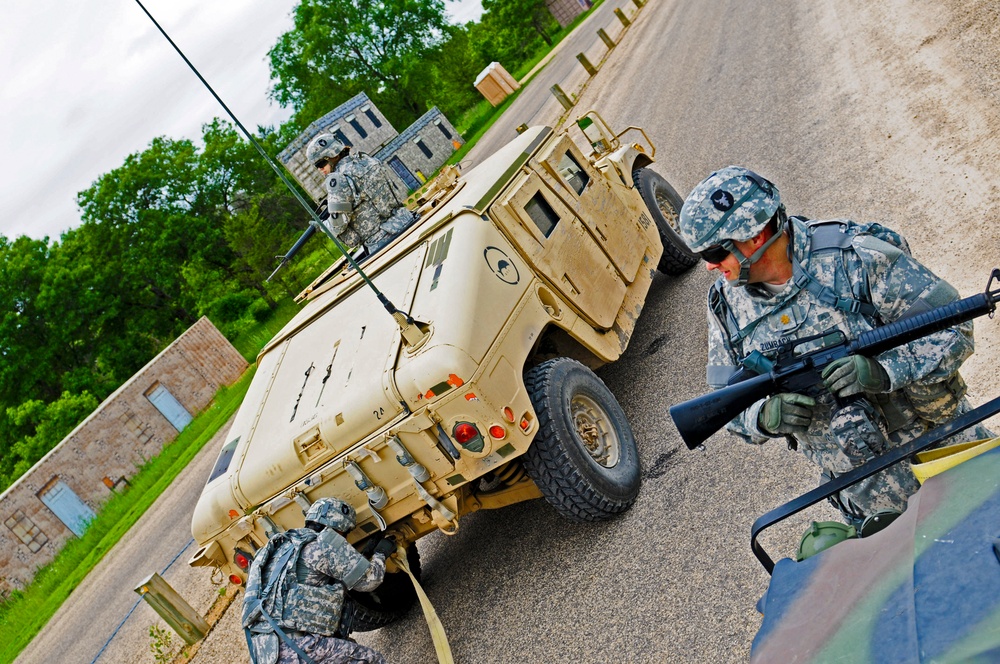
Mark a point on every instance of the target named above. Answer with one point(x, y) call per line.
point(859, 430)
point(346, 618)
point(937, 403)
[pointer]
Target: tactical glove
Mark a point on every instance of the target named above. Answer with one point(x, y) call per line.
point(786, 413)
point(386, 546)
point(855, 374)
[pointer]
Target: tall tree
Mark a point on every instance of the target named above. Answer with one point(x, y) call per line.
point(516, 26)
point(341, 47)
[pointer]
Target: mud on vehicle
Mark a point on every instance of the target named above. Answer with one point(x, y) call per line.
point(521, 277)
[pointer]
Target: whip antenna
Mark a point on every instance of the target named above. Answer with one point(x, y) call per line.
point(406, 323)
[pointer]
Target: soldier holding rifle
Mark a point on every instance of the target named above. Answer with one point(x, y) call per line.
point(787, 282)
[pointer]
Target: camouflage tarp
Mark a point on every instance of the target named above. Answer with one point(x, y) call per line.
point(925, 589)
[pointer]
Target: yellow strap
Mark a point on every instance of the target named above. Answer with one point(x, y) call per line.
point(430, 615)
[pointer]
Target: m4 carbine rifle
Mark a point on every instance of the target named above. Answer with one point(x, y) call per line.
point(700, 417)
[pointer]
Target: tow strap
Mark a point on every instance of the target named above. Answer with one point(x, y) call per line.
point(430, 615)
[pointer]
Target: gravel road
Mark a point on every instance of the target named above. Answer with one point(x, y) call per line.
point(874, 111)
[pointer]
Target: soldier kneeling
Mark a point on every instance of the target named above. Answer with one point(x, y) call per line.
point(294, 606)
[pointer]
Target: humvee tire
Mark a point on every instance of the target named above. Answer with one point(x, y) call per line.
point(665, 206)
point(390, 601)
point(588, 477)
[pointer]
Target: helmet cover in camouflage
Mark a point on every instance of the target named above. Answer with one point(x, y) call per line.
point(731, 204)
point(332, 513)
point(324, 146)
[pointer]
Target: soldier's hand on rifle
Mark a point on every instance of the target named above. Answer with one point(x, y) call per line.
point(786, 413)
point(855, 374)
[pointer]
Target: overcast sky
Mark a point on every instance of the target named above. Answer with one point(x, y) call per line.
point(87, 83)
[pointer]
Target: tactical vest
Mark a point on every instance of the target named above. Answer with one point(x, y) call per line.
point(276, 582)
point(829, 240)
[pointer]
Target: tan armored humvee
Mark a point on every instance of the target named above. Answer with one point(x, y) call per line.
point(520, 277)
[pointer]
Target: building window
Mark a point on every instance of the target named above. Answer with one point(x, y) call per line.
point(367, 110)
point(542, 214)
point(423, 147)
point(444, 130)
point(335, 130)
point(353, 121)
point(26, 531)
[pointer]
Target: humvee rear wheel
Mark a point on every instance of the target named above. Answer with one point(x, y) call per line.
point(390, 601)
point(584, 458)
point(665, 206)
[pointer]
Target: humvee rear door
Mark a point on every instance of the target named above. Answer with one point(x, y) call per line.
point(591, 197)
point(559, 246)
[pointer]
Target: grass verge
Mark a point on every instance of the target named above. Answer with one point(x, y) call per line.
point(24, 613)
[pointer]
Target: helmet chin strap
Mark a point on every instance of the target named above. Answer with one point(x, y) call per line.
point(745, 261)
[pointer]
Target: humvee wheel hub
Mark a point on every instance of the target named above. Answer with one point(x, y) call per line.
point(594, 429)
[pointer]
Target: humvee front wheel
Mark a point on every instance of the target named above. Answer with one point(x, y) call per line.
point(665, 206)
point(584, 458)
point(390, 601)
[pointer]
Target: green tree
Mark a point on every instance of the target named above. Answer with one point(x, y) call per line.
point(341, 47)
point(514, 28)
point(49, 422)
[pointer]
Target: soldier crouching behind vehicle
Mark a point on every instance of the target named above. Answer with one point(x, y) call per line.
point(363, 207)
point(296, 607)
point(786, 280)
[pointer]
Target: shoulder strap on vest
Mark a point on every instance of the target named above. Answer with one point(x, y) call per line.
point(828, 236)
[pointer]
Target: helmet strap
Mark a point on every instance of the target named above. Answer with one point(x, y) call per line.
point(747, 261)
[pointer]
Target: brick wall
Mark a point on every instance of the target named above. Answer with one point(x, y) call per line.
point(124, 431)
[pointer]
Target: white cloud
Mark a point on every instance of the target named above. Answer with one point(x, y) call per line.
point(87, 83)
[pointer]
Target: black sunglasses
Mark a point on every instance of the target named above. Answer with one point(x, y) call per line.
point(714, 254)
point(322, 163)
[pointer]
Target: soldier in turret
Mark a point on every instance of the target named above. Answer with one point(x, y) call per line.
point(296, 607)
point(363, 205)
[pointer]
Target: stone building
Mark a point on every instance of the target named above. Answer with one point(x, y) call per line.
point(356, 122)
point(413, 155)
point(56, 498)
point(564, 11)
point(421, 149)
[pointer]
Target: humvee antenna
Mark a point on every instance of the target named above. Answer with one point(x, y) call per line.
point(404, 320)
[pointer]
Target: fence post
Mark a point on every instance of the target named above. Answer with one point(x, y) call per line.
point(591, 69)
point(561, 96)
point(621, 17)
point(605, 38)
point(177, 613)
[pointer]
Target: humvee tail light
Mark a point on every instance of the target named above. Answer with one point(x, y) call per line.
point(464, 432)
point(235, 580)
point(468, 436)
point(508, 414)
point(498, 432)
point(525, 422)
point(242, 559)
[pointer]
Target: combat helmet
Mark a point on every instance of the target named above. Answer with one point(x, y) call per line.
point(733, 204)
point(332, 513)
point(324, 146)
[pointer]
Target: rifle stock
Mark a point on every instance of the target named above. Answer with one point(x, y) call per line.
point(702, 416)
point(699, 418)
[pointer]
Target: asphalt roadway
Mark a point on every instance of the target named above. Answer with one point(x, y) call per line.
point(872, 111)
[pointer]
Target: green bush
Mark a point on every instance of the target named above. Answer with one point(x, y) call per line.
point(229, 308)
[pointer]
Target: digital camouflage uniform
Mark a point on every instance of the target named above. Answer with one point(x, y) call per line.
point(365, 208)
point(926, 389)
point(308, 599)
